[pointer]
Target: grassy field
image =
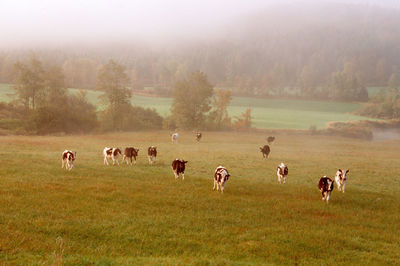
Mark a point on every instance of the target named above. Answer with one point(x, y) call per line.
point(98, 214)
point(266, 113)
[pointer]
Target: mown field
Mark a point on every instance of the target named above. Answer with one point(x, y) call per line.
point(98, 214)
point(266, 113)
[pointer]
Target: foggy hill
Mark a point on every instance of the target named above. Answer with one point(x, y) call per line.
point(273, 47)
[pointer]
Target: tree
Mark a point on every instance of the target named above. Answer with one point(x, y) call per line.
point(112, 79)
point(394, 81)
point(191, 101)
point(30, 81)
point(219, 115)
point(243, 122)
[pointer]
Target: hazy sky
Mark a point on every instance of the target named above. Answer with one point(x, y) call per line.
point(60, 22)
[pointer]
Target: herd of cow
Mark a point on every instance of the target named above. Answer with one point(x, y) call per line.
point(221, 175)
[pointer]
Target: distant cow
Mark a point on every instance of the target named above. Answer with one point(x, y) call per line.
point(221, 175)
point(265, 151)
point(325, 185)
point(270, 140)
point(68, 158)
point(152, 154)
point(178, 167)
point(198, 136)
point(130, 153)
point(282, 171)
point(112, 153)
point(341, 179)
point(174, 137)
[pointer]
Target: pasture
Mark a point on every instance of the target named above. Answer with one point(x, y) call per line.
point(266, 113)
point(98, 214)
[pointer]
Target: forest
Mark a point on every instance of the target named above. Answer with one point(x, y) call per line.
point(286, 51)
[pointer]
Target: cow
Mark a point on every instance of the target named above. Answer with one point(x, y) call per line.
point(152, 154)
point(270, 140)
point(282, 171)
point(198, 136)
point(178, 167)
point(221, 175)
point(174, 137)
point(130, 152)
point(68, 158)
point(341, 179)
point(111, 153)
point(325, 185)
point(265, 151)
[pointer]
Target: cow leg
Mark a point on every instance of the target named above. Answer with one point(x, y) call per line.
point(105, 160)
point(323, 195)
point(284, 179)
point(343, 187)
point(134, 161)
point(222, 187)
point(327, 196)
point(215, 182)
point(183, 176)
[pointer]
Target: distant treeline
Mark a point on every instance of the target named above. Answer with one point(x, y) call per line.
point(321, 52)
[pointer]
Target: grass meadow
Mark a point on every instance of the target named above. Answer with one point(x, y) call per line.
point(266, 113)
point(108, 215)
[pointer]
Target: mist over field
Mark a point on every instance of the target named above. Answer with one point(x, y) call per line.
point(159, 132)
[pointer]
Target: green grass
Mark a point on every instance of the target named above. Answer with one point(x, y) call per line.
point(266, 113)
point(98, 214)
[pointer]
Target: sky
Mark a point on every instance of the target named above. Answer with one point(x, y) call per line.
point(60, 22)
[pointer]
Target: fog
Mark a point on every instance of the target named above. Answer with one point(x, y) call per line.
point(29, 24)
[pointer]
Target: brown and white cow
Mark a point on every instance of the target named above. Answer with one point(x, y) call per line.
point(129, 153)
point(178, 167)
point(221, 175)
point(68, 158)
point(152, 154)
point(341, 179)
point(282, 171)
point(265, 151)
point(112, 153)
point(325, 185)
point(270, 139)
point(198, 136)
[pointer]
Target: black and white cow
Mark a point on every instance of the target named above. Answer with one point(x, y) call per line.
point(198, 136)
point(325, 185)
point(221, 175)
point(68, 158)
point(130, 152)
point(152, 154)
point(112, 153)
point(282, 171)
point(265, 151)
point(174, 137)
point(341, 179)
point(178, 167)
point(270, 140)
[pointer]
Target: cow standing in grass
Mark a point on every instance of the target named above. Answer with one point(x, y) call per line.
point(270, 139)
point(178, 167)
point(112, 153)
point(265, 151)
point(341, 179)
point(130, 153)
point(221, 175)
point(282, 171)
point(325, 185)
point(174, 137)
point(198, 136)
point(152, 154)
point(68, 158)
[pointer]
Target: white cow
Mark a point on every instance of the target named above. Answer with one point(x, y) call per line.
point(174, 137)
point(282, 171)
point(341, 179)
point(221, 175)
point(111, 153)
point(68, 158)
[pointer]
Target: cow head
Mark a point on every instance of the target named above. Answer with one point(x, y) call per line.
point(117, 151)
point(330, 184)
point(137, 151)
